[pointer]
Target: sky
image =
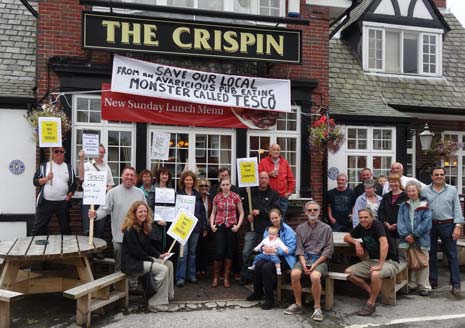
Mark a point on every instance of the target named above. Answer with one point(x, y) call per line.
point(458, 9)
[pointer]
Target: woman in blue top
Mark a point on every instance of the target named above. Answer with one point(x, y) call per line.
point(265, 272)
point(186, 262)
point(414, 223)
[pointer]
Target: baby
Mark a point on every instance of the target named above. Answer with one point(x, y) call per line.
point(271, 240)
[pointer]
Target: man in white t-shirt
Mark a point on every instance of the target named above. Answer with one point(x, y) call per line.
point(96, 164)
point(398, 168)
point(58, 184)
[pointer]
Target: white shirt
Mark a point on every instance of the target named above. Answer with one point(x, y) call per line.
point(276, 243)
point(58, 189)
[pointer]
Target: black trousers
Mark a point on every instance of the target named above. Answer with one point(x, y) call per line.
point(44, 213)
point(225, 243)
point(265, 279)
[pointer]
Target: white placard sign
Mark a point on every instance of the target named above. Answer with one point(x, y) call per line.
point(160, 146)
point(95, 188)
point(142, 78)
point(49, 132)
point(90, 144)
point(182, 226)
point(165, 213)
point(185, 202)
point(247, 171)
point(164, 195)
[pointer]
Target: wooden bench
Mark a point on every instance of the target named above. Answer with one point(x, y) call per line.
point(95, 294)
point(6, 297)
point(327, 290)
point(391, 286)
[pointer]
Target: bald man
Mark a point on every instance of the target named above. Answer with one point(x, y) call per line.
point(398, 168)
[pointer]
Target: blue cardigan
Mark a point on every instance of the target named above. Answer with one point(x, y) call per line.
point(287, 235)
point(422, 222)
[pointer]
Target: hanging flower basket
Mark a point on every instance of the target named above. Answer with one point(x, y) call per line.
point(444, 148)
point(325, 134)
point(48, 110)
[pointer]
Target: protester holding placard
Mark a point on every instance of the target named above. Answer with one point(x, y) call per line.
point(57, 183)
point(158, 233)
point(225, 220)
point(187, 260)
point(99, 165)
point(281, 176)
point(139, 255)
point(203, 186)
point(117, 203)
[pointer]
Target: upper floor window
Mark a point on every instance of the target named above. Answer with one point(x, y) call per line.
point(255, 7)
point(400, 51)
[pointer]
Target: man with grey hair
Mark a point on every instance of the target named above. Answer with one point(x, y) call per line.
point(314, 247)
point(398, 168)
point(366, 174)
point(340, 200)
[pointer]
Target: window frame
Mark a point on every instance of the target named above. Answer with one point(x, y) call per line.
point(460, 155)
point(419, 31)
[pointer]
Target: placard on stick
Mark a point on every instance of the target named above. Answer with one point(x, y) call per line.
point(247, 170)
point(49, 132)
point(182, 226)
point(95, 187)
point(160, 146)
point(90, 144)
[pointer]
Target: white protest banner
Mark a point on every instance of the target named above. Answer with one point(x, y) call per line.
point(185, 202)
point(95, 188)
point(247, 171)
point(160, 146)
point(49, 132)
point(182, 226)
point(142, 78)
point(90, 144)
point(164, 195)
point(165, 213)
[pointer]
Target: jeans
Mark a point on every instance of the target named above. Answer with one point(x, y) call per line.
point(99, 225)
point(283, 205)
point(444, 231)
point(251, 239)
point(188, 259)
point(44, 213)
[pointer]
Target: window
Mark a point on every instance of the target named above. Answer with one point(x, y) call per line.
point(287, 134)
point(455, 164)
point(411, 151)
point(117, 137)
point(256, 7)
point(201, 150)
point(402, 51)
point(369, 147)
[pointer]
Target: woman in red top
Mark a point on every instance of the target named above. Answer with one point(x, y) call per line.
point(225, 222)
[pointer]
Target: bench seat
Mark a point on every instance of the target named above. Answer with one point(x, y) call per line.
point(7, 297)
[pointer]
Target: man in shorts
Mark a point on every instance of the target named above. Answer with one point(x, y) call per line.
point(314, 247)
point(383, 259)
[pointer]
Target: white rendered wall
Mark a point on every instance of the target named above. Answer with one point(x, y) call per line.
point(17, 193)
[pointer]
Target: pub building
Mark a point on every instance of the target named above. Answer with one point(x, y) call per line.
point(239, 45)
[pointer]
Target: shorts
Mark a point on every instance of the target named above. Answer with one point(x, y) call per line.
point(322, 268)
point(362, 269)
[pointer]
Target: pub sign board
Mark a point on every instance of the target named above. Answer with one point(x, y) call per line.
point(107, 31)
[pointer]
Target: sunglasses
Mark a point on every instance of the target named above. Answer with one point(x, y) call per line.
point(312, 210)
point(58, 151)
point(203, 186)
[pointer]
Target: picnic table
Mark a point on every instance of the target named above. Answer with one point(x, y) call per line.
point(21, 254)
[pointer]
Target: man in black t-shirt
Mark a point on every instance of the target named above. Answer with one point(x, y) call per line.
point(341, 200)
point(383, 259)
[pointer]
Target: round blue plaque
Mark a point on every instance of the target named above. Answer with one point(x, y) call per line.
point(17, 167)
point(333, 172)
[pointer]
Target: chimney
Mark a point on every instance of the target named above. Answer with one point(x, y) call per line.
point(440, 3)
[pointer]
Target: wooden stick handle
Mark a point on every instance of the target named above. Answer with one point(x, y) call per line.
point(51, 169)
point(171, 247)
point(91, 228)
point(249, 197)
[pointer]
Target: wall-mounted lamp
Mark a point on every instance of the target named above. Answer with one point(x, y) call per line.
point(426, 138)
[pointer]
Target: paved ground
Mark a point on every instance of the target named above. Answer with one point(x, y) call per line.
point(202, 306)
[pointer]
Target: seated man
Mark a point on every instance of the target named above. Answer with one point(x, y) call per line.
point(383, 261)
point(314, 247)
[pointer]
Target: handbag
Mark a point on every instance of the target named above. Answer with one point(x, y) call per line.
point(417, 260)
point(148, 283)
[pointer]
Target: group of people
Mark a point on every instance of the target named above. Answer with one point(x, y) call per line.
point(382, 220)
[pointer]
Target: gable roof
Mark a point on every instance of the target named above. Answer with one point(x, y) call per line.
point(17, 49)
point(355, 92)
